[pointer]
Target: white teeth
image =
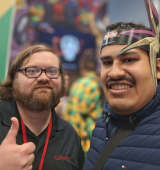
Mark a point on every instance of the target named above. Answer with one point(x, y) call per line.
point(119, 87)
point(122, 87)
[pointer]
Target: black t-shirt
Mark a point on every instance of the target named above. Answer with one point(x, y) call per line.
point(64, 150)
point(33, 138)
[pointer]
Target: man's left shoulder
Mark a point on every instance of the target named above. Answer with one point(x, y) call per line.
point(66, 125)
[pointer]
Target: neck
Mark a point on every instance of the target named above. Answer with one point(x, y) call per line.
point(37, 122)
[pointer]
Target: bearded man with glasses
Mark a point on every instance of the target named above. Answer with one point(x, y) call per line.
point(32, 136)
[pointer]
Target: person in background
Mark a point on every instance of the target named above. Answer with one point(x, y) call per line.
point(32, 136)
point(84, 102)
point(61, 107)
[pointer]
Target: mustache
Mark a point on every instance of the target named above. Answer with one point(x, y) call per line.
point(131, 80)
point(41, 84)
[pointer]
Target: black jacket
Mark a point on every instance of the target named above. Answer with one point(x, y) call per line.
point(64, 149)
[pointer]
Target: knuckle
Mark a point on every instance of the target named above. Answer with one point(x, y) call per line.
point(30, 167)
point(23, 151)
point(24, 163)
point(32, 145)
point(33, 157)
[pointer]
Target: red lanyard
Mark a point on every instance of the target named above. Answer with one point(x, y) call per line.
point(46, 142)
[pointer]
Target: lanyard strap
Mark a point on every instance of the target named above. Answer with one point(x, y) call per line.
point(46, 142)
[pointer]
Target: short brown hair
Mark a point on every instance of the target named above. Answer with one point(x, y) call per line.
point(6, 91)
point(89, 63)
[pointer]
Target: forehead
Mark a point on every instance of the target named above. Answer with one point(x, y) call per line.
point(43, 59)
point(111, 50)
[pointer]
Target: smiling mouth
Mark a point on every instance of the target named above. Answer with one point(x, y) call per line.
point(120, 87)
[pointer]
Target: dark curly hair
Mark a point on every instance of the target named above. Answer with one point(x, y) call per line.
point(125, 25)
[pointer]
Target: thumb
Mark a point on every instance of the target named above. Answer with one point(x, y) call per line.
point(11, 136)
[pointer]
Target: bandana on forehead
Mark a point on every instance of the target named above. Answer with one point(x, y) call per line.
point(124, 36)
point(143, 38)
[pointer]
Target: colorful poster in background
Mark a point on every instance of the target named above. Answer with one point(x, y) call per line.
point(28, 14)
point(86, 17)
point(19, 38)
point(6, 19)
point(71, 45)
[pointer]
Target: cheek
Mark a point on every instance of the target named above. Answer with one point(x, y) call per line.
point(25, 87)
point(104, 76)
point(146, 83)
point(56, 83)
point(144, 88)
point(25, 83)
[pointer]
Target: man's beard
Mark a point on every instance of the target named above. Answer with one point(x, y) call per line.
point(37, 99)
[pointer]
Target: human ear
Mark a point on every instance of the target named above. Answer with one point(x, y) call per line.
point(158, 68)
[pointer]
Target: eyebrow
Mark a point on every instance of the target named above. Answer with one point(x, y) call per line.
point(40, 67)
point(122, 55)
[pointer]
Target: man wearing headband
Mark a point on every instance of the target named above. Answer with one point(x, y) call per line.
point(130, 71)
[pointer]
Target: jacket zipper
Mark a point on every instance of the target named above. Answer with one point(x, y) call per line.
point(107, 121)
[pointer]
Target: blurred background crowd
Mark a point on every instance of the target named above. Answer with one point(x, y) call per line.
point(74, 29)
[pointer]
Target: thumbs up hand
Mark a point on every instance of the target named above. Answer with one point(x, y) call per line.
point(13, 156)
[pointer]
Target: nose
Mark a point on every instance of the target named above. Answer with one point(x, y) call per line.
point(43, 77)
point(116, 71)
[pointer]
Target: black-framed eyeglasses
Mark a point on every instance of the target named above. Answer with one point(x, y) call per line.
point(35, 72)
